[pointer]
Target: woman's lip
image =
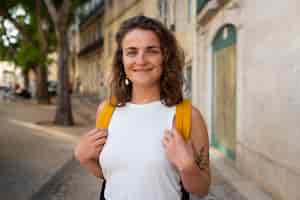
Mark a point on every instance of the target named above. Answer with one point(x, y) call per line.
point(147, 69)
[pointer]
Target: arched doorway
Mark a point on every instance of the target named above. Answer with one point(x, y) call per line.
point(224, 90)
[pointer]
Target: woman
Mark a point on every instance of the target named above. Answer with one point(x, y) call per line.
point(143, 156)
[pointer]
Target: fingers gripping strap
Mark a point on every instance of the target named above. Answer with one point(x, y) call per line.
point(183, 118)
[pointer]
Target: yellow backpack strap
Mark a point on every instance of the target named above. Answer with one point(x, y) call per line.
point(103, 118)
point(184, 118)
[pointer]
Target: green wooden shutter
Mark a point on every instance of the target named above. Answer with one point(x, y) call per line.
point(224, 90)
point(220, 42)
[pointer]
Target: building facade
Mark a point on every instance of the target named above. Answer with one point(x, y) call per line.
point(7, 74)
point(88, 61)
point(179, 17)
point(245, 81)
point(98, 22)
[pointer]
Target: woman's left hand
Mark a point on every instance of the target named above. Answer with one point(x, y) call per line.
point(178, 151)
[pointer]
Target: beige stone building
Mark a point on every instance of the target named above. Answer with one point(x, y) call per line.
point(95, 38)
point(246, 81)
point(89, 68)
point(7, 74)
point(179, 16)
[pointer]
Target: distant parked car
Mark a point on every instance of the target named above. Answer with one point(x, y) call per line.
point(3, 91)
point(4, 88)
point(6, 93)
point(24, 93)
point(52, 88)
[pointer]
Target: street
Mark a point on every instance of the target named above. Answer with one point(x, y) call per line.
point(31, 158)
point(36, 162)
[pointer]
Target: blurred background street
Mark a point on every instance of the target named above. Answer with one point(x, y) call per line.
point(241, 70)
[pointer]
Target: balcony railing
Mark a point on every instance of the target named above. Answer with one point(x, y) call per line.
point(91, 46)
point(207, 9)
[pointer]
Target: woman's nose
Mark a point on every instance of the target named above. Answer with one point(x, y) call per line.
point(140, 59)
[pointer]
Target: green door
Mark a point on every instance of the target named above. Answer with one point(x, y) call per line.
point(224, 91)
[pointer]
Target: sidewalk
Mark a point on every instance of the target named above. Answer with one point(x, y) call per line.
point(66, 179)
point(227, 183)
point(223, 167)
point(42, 116)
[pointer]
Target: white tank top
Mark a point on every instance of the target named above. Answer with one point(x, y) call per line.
point(133, 159)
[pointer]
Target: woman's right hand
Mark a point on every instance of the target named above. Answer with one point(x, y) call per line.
point(90, 145)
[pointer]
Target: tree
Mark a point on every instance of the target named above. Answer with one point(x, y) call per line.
point(30, 48)
point(61, 13)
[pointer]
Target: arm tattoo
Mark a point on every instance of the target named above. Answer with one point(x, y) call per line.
point(202, 159)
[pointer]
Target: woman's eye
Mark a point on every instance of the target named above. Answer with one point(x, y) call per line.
point(153, 51)
point(130, 53)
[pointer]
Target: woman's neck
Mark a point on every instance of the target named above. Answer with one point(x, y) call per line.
point(142, 95)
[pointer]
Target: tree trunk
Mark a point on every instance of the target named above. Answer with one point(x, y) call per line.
point(26, 78)
point(63, 110)
point(42, 88)
point(42, 72)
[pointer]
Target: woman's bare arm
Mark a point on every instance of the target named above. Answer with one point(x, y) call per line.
point(89, 147)
point(196, 176)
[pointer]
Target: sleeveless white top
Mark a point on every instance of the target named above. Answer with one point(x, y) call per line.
point(133, 160)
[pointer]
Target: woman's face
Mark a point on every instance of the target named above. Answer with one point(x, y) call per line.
point(142, 57)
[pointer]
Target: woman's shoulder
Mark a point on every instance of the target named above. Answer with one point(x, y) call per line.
point(198, 125)
point(196, 114)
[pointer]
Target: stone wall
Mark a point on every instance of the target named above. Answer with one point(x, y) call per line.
point(268, 109)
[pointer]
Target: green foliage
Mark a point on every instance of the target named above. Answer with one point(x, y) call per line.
point(24, 53)
point(28, 56)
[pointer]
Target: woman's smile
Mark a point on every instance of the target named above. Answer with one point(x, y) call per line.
point(142, 69)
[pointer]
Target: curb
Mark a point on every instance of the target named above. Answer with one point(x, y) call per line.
point(247, 188)
point(50, 131)
point(47, 132)
point(51, 183)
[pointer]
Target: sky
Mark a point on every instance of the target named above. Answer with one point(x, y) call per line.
point(12, 32)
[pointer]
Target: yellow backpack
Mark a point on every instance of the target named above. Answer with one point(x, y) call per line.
point(182, 123)
point(183, 117)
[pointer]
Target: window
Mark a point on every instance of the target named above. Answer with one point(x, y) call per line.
point(187, 87)
point(109, 45)
point(110, 3)
point(190, 10)
point(160, 7)
point(224, 90)
point(84, 39)
point(163, 10)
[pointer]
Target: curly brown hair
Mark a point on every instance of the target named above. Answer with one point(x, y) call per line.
point(171, 81)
